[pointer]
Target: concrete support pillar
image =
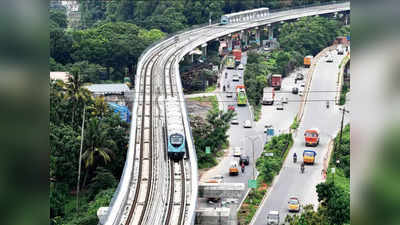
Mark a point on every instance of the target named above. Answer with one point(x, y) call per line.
point(270, 32)
point(246, 38)
point(229, 42)
point(192, 57)
point(258, 36)
point(204, 50)
point(346, 18)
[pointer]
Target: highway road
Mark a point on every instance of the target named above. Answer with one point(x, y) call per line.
point(280, 119)
point(290, 181)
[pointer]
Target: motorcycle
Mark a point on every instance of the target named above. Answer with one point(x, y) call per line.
point(302, 168)
point(294, 159)
point(327, 104)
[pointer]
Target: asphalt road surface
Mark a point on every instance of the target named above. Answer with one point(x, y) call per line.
point(290, 181)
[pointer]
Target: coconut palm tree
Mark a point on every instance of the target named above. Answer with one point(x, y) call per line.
point(97, 146)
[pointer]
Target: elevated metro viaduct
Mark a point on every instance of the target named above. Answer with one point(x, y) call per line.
point(174, 49)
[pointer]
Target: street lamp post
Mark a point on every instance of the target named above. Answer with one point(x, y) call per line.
point(252, 139)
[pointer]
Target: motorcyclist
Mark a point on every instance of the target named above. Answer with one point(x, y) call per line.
point(242, 167)
point(295, 157)
point(302, 167)
point(223, 88)
point(327, 104)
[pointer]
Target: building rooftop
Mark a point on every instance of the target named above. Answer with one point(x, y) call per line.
point(59, 76)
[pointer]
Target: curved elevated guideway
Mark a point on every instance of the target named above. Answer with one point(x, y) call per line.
point(154, 189)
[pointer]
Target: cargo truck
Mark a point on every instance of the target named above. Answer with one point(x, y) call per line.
point(307, 61)
point(237, 53)
point(268, 96)
point(276, 81)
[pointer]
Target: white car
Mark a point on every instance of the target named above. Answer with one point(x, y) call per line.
point(328, 58)
point(240, 67)
point(279, 106)
point(273, 218)
point(235, 78)
point(284, 100)
point(234, 121)
point(247, 124)
point(229, 94)
point(237, 151)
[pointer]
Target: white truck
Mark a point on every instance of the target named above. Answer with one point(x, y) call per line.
point(268, 96)
point(273, 218)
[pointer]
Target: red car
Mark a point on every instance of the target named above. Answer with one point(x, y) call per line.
point(231, 107)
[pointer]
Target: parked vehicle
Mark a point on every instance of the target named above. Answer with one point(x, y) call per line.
point(307, 61)
point(293, 204)
point(311, 137)
point(244, 159)
point(240, 67)
point(309, 156)
point(268, 96)
point(273, 218)
point(276, 81)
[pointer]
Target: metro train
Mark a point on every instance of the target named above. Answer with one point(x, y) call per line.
point(175, 133)
point(244, 16)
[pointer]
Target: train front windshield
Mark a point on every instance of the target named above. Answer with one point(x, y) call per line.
point(176, 140)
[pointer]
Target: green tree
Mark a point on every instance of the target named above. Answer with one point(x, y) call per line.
point(59, 17)
point(97, 146)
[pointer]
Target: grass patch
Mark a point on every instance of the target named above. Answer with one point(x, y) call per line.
point(295, 124)
point(212, 99)
point(340, 179)
point(257, 112)
point(211, 88)
point(269, 167)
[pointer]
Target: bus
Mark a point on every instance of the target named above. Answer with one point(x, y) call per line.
point(230, 62)
point(241, 95)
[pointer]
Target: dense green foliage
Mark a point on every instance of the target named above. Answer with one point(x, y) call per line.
point(342, 152)
point(173, 15)
point(269, 166)
point(104, 148)
point(109, 50)
point(210, 132)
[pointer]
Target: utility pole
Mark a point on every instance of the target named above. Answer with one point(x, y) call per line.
point(80, 160)
point(252, 139)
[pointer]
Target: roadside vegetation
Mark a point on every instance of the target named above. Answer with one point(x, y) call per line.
point(210, 132)
point(105, 141)
point(346, 81)
point(334, 194)
point(295, 124)
point(297, 39)
point(268, 167)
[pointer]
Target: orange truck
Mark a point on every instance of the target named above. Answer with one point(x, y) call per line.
point(311, 137)
point(307, 61)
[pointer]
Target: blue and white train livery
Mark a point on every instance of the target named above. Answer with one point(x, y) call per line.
point(175, 131)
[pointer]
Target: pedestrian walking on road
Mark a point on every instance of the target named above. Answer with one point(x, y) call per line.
point(242, 167)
